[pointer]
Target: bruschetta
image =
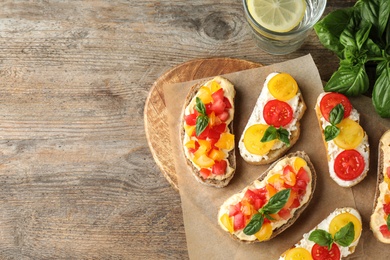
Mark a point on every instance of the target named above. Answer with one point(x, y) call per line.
point(345, 140)
point(207, 132)
point(273, 126)
point(334, 238)
point(380, 218)
point(271, 203)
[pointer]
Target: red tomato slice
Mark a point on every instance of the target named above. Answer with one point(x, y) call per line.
point(224, 116)
point(239, 221)
point(330, 100)
point(205, 173)
point(386, 208)
point(227, 103)
point(284, 213)
point(220, 128)
point(385, 231)
point(322, 253)
point(303, 175)
point(234, 209)
point(219, 167)
point(277, 113)
point(349, 164)
point(218, 106)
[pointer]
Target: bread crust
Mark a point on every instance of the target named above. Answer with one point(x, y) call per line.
point(231, 155)
point(383, 142)
point(299, 211)
point(335, 178)
point(273, 155)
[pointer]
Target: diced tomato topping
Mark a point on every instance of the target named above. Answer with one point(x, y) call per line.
point(205, 173)
point(284, 213)
point(218, 106)
point(191, 118)
point(295, 204)
point(213, 134)
point(219, 167)
point(227, 103)
point(386, 208)
point(303, 175)
point(234, 209)
point(220, 128)
point(239, 221)
point(218, 95)
point(289, 176)
point(193, 150)
point(224, 116)
point(385, 231)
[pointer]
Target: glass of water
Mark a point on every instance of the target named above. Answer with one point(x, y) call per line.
point(281, 26)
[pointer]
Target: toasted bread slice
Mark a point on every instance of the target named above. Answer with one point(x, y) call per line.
point(333, 149)
point(379, 217)
point(252, 150)
point(203, 169)
point(336, 220)
point(259, 192)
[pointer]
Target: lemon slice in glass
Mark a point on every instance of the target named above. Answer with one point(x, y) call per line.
point(277, 15)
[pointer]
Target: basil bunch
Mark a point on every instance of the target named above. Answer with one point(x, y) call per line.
point(343, 237)
point(359, 35)
point(274, 205)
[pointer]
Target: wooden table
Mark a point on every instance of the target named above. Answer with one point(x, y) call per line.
point(77, 178)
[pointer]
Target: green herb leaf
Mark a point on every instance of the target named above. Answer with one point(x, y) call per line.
point(254, 224)
point(276, 202)
point(388, 222)
point(321, 237)
point(336, 114)
point(381, 93)
point(331, 131)
point(345, 235)
point(200, 107)
point(201, 124)
point(272, 133)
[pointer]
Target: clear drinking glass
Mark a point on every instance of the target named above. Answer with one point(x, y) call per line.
point(279, 43)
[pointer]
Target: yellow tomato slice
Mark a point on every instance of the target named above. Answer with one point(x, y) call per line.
point(252, 139)
point(350, 136)
point(214, 86)
point(227, 222)
point(265, 232)
point(298, 253)
point(283, 87)
point(189, 129)
point(204, 148)
point(276, 181)
point(217, 155)
point(343, 219)
point(203, 161)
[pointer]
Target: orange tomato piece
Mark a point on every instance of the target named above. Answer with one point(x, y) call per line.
point(217, 155)
point(203, 161)
point(276, 181)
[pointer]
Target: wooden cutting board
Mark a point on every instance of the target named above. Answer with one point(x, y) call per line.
point(155, 114)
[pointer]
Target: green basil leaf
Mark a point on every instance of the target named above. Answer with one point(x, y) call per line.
point(276, 202)
point(381, 93)
point(349, 80)
point(362, 35)
point(321, 237)
point(254, 224)
point(331, 132)
point(201, 124)
point(200, 107)
point(330, 28)
point(283, 135)
point(373, 49)
point(376, 12)
point(388, 222)
point(345, 235)
point(269, 134)
point(336, 114)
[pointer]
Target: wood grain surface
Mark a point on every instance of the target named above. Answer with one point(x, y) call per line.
point(155, 114)
point(77, 177)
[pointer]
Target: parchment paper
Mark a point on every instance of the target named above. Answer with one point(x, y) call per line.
point(200, 203)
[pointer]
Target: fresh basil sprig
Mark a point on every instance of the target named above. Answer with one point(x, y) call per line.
point(202, 120)
point(273, 133)
point(343, 237)
point(335, 117)
point(273, 206)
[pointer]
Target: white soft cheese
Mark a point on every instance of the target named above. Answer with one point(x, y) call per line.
point(324, 225)
point(229, 93)
point(333, 150)
point(236, 198)
point(378, 216)
point(257, 118)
